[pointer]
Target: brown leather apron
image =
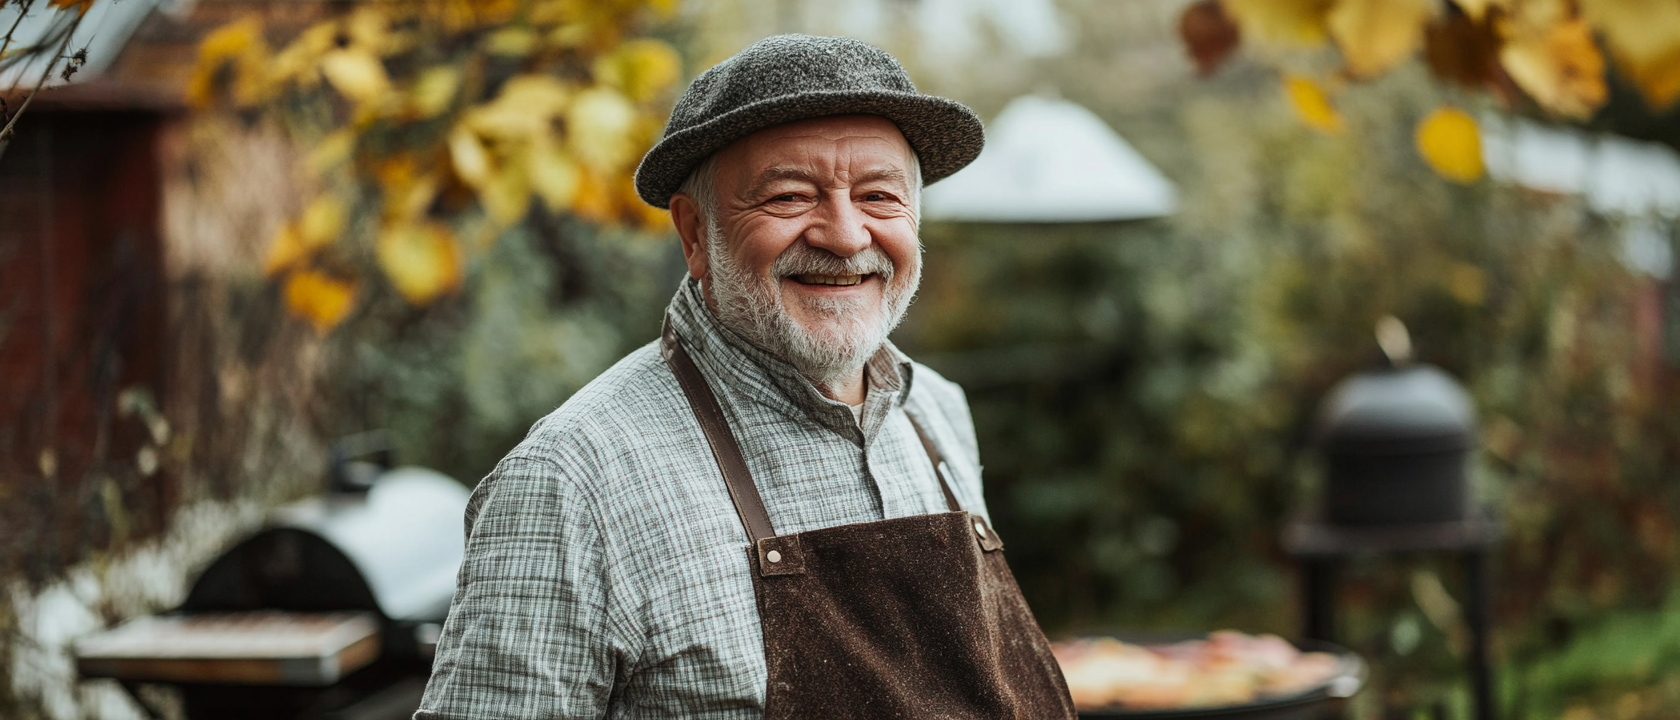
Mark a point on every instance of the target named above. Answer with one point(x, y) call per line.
point(914, 617)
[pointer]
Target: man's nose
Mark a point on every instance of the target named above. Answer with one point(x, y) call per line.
point(840, 227)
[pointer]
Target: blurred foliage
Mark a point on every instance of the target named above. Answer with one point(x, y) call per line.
point(1625, 663)
point(434, 125)
point(1541, 53)
point(550, 306)
point(1145, 394)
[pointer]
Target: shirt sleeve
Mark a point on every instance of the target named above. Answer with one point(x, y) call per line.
point(532, 632)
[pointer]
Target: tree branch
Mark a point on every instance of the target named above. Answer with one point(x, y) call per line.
point(23, 10)
point(6, 132)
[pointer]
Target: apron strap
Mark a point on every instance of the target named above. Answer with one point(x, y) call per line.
point(742, 490)
point(939, 466)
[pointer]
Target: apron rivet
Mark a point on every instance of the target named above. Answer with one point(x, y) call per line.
point(773, 556)
point(979, 528)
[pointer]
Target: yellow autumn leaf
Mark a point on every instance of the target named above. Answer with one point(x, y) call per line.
point(1644, 38)
point(322, 222)
point(543, 13)
point(569, 35)
point(1288, 23)
point(511, 42)
point(1450, 142)
point(235, 51)
point(1375, 35)
point(298, 61)
point(594, 200)
point(1311, 104)
point(1537, 15)
point(526, 106)
point(285, 249)
point(554, 176)
point(231, 40)
point(491, 13)
point(1559, 66)
point(507, 196)
point(601, 124)
point(356, 73)
point(641, 69)
point(407, 191)
point(368, 27)
point(538, 94)
point(422, 260)
point(434, 90)
point(330, 151)
point(80, 6)
point(321, 299)
point(469, 157)
point(458, 16)
point(1478, 9)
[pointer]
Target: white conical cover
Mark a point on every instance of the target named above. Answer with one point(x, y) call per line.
point(1051, 161)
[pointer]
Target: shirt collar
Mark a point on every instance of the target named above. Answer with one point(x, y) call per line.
point(729, 359)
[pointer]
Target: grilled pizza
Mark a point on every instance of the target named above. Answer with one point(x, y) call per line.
point(1225, 668)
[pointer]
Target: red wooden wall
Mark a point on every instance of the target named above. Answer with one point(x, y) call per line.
point(82, 318)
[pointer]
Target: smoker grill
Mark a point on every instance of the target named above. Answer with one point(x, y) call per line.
point(1396, 441)
point(331, 611)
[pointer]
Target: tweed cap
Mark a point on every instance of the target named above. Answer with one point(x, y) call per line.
point(785, 78)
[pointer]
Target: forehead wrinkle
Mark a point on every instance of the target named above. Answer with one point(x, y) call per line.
point(789, 172)
point(782, 172)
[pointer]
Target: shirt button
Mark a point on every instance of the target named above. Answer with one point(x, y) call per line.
point(773, 556)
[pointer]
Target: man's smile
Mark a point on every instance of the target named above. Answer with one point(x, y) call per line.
point(817, 279)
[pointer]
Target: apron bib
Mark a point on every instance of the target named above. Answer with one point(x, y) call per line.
point(914, 617)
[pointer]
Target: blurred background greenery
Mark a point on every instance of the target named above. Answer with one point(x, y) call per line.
point(1144, 391)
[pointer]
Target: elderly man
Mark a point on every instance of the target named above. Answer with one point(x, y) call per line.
point(769, 512)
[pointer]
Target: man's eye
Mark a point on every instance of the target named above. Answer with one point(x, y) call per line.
point(877, 197)
point(785, 197)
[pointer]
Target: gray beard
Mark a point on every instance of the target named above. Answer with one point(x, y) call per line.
point(754, 307)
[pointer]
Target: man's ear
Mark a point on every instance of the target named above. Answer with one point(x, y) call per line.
point(691, 228)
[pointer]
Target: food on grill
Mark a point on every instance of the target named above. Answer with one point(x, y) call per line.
point(1226, 668)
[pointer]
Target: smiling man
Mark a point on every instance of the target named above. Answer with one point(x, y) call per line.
point(828, 258)
point(770, 511)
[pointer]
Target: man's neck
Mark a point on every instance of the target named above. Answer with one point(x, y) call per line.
point(851, 392)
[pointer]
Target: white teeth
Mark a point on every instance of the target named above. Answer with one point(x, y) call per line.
point(843, 280)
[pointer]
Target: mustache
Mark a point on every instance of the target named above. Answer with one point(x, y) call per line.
point(802, 259)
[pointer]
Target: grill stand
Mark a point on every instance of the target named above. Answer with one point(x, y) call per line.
point(1323, 547)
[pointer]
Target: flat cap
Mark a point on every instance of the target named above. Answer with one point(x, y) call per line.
point(785, 78)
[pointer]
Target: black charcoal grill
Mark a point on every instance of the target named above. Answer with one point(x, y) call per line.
point(330, 611)
point(1396, 442)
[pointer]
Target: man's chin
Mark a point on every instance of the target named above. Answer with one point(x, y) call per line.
point(833, 341)
point(836, 346)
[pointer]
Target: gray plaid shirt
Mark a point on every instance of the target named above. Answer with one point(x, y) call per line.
point(606, 570)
